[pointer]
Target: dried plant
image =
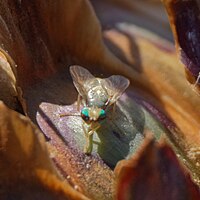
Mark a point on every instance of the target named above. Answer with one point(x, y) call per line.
point(149, 149)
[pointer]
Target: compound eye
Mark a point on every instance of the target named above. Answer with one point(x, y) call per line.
point(85, 114)
point(102, 114)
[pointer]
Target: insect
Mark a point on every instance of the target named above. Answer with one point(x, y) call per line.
point(97, 96)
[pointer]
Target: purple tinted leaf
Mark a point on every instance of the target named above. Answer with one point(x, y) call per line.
point(185, 21)
point(154, 173)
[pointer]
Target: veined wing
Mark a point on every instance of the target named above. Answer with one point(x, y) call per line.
point(80, 77)
point(115, 86)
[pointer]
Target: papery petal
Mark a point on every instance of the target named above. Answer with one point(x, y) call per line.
point(26, 170)
point(154, 173)
point(185, 23)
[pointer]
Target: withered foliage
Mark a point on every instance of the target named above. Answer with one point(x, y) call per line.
point(39, 40)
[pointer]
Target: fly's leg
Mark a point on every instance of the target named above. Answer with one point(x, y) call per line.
point(84, 130)
point(89, 138)
point(88, 146)
point(94, 128)
point(69, 114)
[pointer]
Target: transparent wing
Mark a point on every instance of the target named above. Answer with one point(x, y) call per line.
point(115, 86)
point(80, 77)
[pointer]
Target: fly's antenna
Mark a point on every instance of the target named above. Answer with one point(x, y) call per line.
point(69, 114)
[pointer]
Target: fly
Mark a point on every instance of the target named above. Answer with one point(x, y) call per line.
point(97, 96)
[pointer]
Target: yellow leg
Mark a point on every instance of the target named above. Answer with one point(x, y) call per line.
point(69, 114)
point(94, 128)
point(88, 145)
point(84, 130)
point(89, 138)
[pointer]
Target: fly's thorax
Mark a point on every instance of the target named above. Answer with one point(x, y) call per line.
point(90, 114)
point(97, 97)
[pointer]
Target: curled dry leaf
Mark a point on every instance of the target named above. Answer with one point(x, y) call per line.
point(46, 89)
point(160, 80)
point(26, 170)
point(44, 38)
point(185, 23)
point(39, 38)
point(8, 92)
point(154, 173)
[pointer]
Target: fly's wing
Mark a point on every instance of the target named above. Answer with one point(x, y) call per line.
point(115, 86)
point(81, 77)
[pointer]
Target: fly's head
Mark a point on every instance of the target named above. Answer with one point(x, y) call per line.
point(93, 114)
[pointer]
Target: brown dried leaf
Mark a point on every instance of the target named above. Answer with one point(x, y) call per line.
point(185, 23)
point(42, 99)
point(154, 173)
point(26, 170)
point(43, 39)
point(159, 78)
point(8, 92)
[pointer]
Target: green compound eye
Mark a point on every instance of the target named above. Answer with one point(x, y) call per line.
point(85, 114)
point(102, 114)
